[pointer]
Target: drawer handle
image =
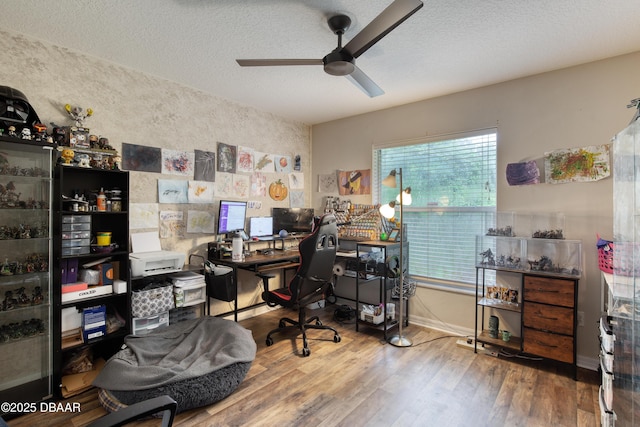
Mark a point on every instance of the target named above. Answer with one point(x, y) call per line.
point(544, 344)
point(553, 291)
point(548, 318)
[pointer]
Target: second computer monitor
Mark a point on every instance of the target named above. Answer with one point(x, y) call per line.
point(260, 226)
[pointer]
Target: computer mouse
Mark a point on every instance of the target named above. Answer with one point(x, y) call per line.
point(255, 239)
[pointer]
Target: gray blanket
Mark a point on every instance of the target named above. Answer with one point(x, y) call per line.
point(181, 351)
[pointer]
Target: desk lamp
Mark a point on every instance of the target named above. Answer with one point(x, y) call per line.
point(388, 211)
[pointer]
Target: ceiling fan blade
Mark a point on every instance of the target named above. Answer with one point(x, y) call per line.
point(360, 79)
point(395, 14)
point(275, 62)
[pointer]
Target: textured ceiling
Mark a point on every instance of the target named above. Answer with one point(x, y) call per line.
point(447, 46)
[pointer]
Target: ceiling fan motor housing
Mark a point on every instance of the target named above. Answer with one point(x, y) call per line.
point(339, 63)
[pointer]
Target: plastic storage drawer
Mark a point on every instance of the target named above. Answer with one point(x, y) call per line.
point(144, 325)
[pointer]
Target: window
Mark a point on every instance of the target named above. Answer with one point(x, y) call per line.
point(453, 189)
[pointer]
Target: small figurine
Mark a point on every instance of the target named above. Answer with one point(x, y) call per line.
point(83, 160)
point(37, 297)
point(26, 134)
point(5, 270)
point(12, 131)
point(67, 156)
point(9, 301)
point(78, 114)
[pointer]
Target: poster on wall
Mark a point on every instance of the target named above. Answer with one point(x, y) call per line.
point(258, 184)
point(200, 192)
point(201, 222)
point(173, 191)
point(577, 164)
point(171, 224)
point(176, 162)
point(226, 158)
point(263, 162)
point(327, 183)
point(523, 173)
point(224, 185)
point(241, 186)
point(245, 159)
point(282, 163)
point(205, 166)
point(140, 158)
point(143, 215)
point(296, 199)
point(296, 181)
point(354, 182)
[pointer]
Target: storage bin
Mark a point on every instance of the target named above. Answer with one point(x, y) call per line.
point(66, 235)
point(220, 283)
point(146, 324)
point(75, 242)
point(376, 320)
point(76, 250)
point(72, 219)
point(186, 295)
point(82, 226)
point(152, 300)
point(183, 313)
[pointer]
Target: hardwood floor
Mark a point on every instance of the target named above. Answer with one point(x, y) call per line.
point(363, 381)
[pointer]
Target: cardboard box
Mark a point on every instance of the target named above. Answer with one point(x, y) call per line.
point(77, 383)
point(106, 274)
point(87, 293)
point(94, 322)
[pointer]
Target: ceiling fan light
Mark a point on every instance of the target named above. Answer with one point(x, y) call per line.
point(338, 63)
point(339, 68)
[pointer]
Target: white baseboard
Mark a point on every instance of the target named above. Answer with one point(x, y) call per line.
point(590, 363)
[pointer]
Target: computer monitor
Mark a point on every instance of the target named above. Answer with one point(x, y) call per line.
point(260, 226)
point(231, 216)
point(294, 220)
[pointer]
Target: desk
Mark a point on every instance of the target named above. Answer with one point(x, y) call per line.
point(257, 263)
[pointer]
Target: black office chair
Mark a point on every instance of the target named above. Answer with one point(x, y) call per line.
point(312, 279)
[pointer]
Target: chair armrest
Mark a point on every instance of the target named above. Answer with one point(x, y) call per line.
point(265, 279)
point(137, 411)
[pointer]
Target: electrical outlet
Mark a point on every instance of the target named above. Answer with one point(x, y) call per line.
point(581, 318)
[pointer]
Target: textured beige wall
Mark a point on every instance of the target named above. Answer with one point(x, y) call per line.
point(575, 107)
point(136, 108)
point(141, 109)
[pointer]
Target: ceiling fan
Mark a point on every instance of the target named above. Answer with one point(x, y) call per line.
point(342, 60)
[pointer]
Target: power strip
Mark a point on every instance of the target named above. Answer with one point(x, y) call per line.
point(468, 343)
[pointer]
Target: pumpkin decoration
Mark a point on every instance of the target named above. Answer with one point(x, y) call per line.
point(278, 191)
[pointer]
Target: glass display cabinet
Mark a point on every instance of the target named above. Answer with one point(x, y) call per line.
point(25, 272)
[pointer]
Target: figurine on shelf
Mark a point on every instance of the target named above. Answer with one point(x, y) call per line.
point(83, 160)
point(5, 270)
point(67, 156)
point(487, 257)
point(12, 131)
point(23, 299)
point(37, 297)
point(78, 114)
point(9, 302)
point(26, 134)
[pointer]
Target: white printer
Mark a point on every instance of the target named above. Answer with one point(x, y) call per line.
point(148, 258)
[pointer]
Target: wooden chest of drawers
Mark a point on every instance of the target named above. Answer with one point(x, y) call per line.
point(549, 317)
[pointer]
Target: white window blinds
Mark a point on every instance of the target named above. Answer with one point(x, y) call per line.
point(453, 189)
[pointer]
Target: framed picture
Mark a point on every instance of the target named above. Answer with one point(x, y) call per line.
point(394, 235)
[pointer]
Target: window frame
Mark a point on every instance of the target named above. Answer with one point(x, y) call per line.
point(489, 211)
